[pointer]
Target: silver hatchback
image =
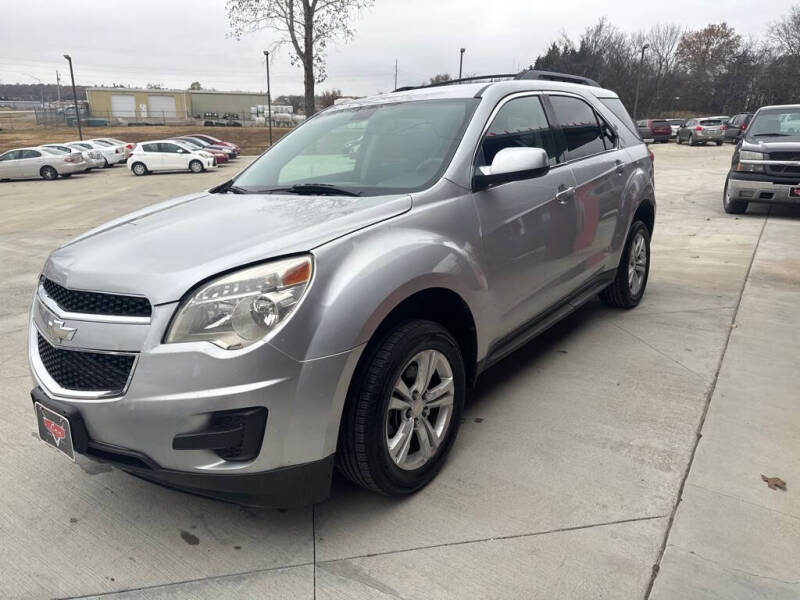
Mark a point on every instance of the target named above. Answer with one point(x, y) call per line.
point(330, 305)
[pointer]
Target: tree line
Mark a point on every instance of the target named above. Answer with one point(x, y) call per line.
point(713, 70)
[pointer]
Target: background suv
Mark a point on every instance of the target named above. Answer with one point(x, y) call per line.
point(701, 131)
point(330, 304)
point(736, 126)
point(658, 130)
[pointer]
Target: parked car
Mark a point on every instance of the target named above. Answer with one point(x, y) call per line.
point(29, 163)
point(319, 310)
point(221, 156)
point(675, 125)
point(92, 158)
point(703, 130)
point(657, 130)
point(111, 154)
point(127, 147)
point(765, 167)
point(230, 152)
point(168, 155)
point(736, 126)
point(216, 141)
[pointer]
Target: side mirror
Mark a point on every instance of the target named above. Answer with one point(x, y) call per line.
point(513, 164)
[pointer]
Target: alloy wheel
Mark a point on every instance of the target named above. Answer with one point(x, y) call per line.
point(637, 264)
point(420, 410)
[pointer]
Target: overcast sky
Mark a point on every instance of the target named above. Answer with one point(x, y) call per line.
point(175, 42)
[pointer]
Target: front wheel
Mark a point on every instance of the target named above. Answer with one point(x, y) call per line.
point(732, 207)
point(48, 173)
point(403, 409)
point(630, 280)
point(195, 166)
point(139, 169)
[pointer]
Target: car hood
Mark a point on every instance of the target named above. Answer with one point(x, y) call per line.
point(767, 145)
point(164, 250)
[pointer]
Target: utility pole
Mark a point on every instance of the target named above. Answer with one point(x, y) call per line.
point(269, 99)
point(75, 97)
point(58, 87)
point(395, 74)
point(638, 78)
point(460, 61)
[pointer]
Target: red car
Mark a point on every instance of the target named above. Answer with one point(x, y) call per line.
point(217, 142)
point(219, 155)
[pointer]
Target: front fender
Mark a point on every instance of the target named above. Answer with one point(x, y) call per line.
point(360, 279)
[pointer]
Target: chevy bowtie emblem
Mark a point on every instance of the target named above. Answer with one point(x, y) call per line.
point(59, 331)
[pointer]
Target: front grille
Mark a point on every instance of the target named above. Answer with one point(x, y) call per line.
point(784, 155)
point(96, 303)
point(85, 371)
point(784, 170)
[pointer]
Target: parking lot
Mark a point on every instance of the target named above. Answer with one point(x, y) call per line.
point(566, 476)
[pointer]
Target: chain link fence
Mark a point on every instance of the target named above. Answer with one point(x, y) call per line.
point(58, 117)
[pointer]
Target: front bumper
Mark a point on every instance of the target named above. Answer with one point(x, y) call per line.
point(175, 389)
point(761, 191)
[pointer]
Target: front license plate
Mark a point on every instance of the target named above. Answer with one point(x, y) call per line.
point(54, 430)
point(794, 192)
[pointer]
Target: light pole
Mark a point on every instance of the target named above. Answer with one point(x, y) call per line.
point(460, 61)
point(75, 97)
point(638, 77)
point(269, 99)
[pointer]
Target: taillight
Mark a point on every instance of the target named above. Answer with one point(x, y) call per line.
point(744, 126)
point(129, 146)
point(698, 128)
point(116, 150)
point(722, 128)
point(69, 159)
point(652, 156)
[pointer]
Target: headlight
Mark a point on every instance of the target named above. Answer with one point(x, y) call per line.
point(241, 308)
point(206, 154)
point(749, 155)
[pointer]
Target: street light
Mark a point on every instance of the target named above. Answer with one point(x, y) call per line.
point(638, 77)
point(461, 61)
point(269, 100)
point(75, 97)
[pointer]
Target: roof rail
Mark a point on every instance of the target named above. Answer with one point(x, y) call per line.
point(475, 79)
point(553, 76)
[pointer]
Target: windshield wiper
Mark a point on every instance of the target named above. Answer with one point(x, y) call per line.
point(773, 134)
point(229, 187)
point(310, 189)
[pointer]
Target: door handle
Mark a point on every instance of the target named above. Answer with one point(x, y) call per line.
point(565, 194)
point(620, 166)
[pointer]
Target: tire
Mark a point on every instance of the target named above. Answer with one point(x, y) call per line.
point(719, 143)
point(105, 163)
point(375, 416)
point(678, 140)
point(622, 293)
point(732, 207)
point(139, 169)
point(48, 173)
point(196, 166)
point(692, 141)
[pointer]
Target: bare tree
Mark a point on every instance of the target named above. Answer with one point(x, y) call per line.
point(786, 33)
point(308, 25)
point(663, 39)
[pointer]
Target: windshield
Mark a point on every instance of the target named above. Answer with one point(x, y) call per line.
point(678, 122)
point(102, 143)
point(368, 150)
point(776, 122)
point(195, 141)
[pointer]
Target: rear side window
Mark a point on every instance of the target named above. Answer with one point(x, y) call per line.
point(660, 123)
point(579, 125)
point(30, 154)
point(150, 147)
point(711, 122)
point(171, 148)
point(618, 109)
point(520, 123)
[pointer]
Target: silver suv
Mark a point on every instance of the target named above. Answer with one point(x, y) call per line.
point(330, 305)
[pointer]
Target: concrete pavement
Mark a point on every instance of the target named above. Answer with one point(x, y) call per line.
point(563, 480)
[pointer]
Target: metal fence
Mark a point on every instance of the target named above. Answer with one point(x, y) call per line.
point(64, 117)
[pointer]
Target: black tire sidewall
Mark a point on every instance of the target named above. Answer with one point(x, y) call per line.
point(425, 335)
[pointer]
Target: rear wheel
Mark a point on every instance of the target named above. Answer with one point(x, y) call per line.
point(48, 173)
point(630, 280)
point(403, 409)
point(195, 166)
point(692, 141)
point(139, 169)
point(678, 139)
point(719, 143)
point(732, 207)
point(105, 163)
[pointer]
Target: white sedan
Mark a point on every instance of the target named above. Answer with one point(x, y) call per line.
point(111, 154)
point(127, 147)
point(168, 155)
point(92, 158)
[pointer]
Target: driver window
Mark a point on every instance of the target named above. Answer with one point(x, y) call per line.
point(520, 123)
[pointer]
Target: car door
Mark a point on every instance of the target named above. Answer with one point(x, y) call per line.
point(590, 146)
point(150, 155)
point(173, 156)
point(30, 163)
point(528, 227)
point(9, 164)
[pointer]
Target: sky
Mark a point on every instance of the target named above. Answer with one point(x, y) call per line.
point(176, 42)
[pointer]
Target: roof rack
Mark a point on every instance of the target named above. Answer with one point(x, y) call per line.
point(527, 74)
